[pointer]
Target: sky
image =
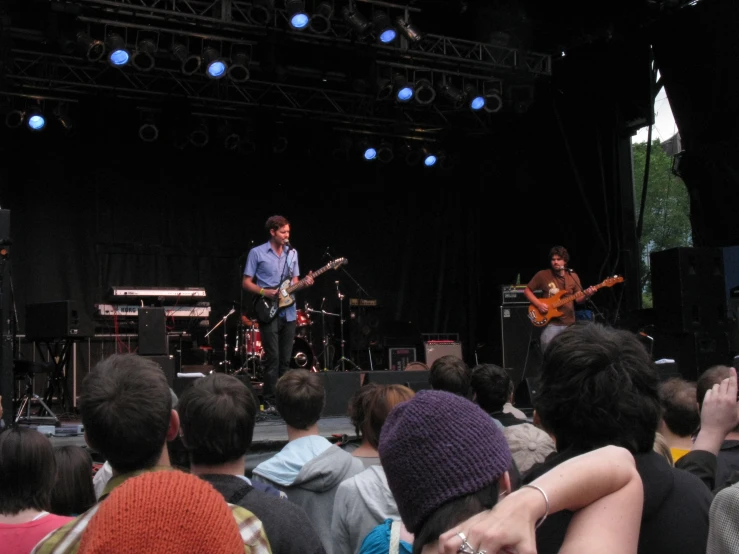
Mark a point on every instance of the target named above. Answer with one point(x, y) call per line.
point(664, 124)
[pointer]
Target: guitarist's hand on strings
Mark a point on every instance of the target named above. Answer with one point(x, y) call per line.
point(309, 279)
point(270, 293)
point(543, 308)
point(590, 291)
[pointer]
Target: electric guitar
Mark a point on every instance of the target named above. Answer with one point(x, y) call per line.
point(267, 308)
point(540, 320)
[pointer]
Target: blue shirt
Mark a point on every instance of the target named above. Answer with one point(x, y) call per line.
point(269, 270)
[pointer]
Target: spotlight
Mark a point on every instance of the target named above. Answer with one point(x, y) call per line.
point(238, 71)
point(411, 32)
point(94, 49)
point(279, 145)
point(296, 14)
point(369, 152)
point(190, 62)
point(453, 94)
point(475, 100)
point(61, 112)
point(149, 132)
point(425, 93)
point(385, 152)
point(143, 57)
point(356, 20)
point(384, 29)
point(118, 55)
point(232, 141)
point(35, 119)
point(403, 89)
point(429, 159)
point(320, 23)
point(200, 135)
point(384, 89)
point(14, 119)
point(493, 102)
point(215, 66)
point(260, 12)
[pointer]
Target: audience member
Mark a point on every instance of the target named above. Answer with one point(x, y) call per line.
point(73, 492)
point(680, 415)
point(728, 456)
point(493, 389)
point(451, 374)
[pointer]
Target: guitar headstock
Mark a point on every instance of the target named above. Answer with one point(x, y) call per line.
point(337, 263)
point(610, 281)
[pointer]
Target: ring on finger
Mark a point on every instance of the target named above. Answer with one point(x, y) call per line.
point(465, 548)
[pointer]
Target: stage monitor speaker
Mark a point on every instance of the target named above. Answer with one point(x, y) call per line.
point(520, 340)
point(689, 289)
point(413, 379)
point(340, 387)
point(435, 349)
point(152, 332)
point(166, 364)
point(56, 320)
point(693, 352)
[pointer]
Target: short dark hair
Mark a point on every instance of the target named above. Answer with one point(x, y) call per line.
point(492, 387)
point(598, 386)
point(300, 397)
point(712, 376)
point(679, 406)
point(126, 407)
point(217, 416)
point(450, 374)
point(276, 222)
point(27, 471)
point(371, 405)
point(560, 251)
point(73, 493)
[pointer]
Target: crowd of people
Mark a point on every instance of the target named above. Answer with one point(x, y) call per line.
point(612, 459)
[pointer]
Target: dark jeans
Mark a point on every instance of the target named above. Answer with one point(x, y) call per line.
point(277, 340)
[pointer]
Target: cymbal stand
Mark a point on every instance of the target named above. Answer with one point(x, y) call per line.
point(343, 360)
point(226, 362)
point(325, 353)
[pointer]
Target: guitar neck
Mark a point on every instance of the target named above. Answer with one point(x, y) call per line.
point(300, 284)
point(570, 297)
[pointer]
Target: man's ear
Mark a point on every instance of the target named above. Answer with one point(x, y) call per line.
point(174, 425)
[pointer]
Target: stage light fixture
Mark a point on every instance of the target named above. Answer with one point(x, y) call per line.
point(190, 62)
point(411, 154)
point(452, 94)
point(320, 23)
point(493, 102)
point(238, 71)
point(143, 57)
point(35, 119)
point(403, 89)
point(429, 158)
point(385, 152)
point(200, 135)
point(215, 65)
point(280, 144)
point(296, 14)
point(425, 92)
point(369, 152)
point(384, 89)
point(148, 131)
point(475, 100)
point(94, 49)
point(14, 119)
point(260, 11)
point(61, 112)
point(118, 54)
point(356, 20)
point(384, 29)
point(231, 141)
point(411, 32)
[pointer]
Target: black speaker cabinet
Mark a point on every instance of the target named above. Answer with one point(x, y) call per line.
point(152, 332)
point(520, 340)
point(340, 387)
point(689, 289)
point(416, 380)
point(166, 363)
point(56, 320)
point(693, 352)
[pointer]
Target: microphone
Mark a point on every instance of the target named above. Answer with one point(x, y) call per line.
point(286, 243)
point(569, 270)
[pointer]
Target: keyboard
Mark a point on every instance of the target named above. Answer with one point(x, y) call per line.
point(119, 292)
point(121, 310)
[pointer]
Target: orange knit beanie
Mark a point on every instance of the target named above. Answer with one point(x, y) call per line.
point(163, 511)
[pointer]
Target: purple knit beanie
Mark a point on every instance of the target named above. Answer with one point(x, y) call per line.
point(437, 447)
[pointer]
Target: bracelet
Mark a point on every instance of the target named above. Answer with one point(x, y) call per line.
point(546, 500)
point(261, 292)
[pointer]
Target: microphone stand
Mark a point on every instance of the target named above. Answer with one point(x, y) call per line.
point(226, 362)
point(343, 359)
point(588, 300)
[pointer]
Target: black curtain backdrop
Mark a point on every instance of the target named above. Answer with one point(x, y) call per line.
point(101, 208)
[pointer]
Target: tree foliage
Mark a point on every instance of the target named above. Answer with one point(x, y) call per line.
point(666, 211)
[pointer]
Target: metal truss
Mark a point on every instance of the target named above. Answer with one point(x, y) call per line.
point(32, 73)
point(237, 16)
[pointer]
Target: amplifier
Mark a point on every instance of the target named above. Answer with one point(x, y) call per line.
point(513, 294)
point(56, 320)
point(435, 349)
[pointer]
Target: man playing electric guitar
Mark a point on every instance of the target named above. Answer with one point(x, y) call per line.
point(552, 281)
point(267, 265)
